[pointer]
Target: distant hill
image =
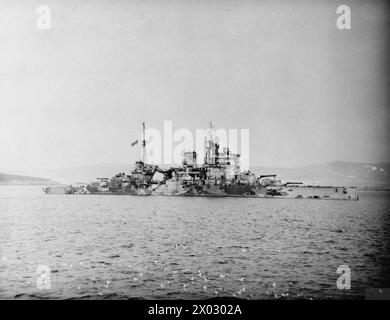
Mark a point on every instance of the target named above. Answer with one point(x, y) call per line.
point(335, 173)
point(340, 173)
point(11, 179)
point(82, 174)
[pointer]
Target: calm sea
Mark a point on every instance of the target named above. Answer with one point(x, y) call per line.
point(100, 247)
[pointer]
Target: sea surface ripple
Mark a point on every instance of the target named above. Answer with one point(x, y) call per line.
point(128, 247)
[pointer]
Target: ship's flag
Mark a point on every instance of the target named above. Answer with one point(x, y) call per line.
point(134, 143)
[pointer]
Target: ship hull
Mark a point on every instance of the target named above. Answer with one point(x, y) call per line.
point(295, 192)
point(193, 190)
point(310, 192)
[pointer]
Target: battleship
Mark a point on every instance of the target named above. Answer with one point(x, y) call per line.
point(219, 175)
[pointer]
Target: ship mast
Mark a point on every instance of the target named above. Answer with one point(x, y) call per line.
point(209, 144)
point(143, 143)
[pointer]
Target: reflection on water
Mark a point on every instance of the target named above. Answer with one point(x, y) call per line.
point(190, 248)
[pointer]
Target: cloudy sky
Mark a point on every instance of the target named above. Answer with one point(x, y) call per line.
point(308, 92)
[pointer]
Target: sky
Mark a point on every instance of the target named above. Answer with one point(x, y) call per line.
point(308, 92)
